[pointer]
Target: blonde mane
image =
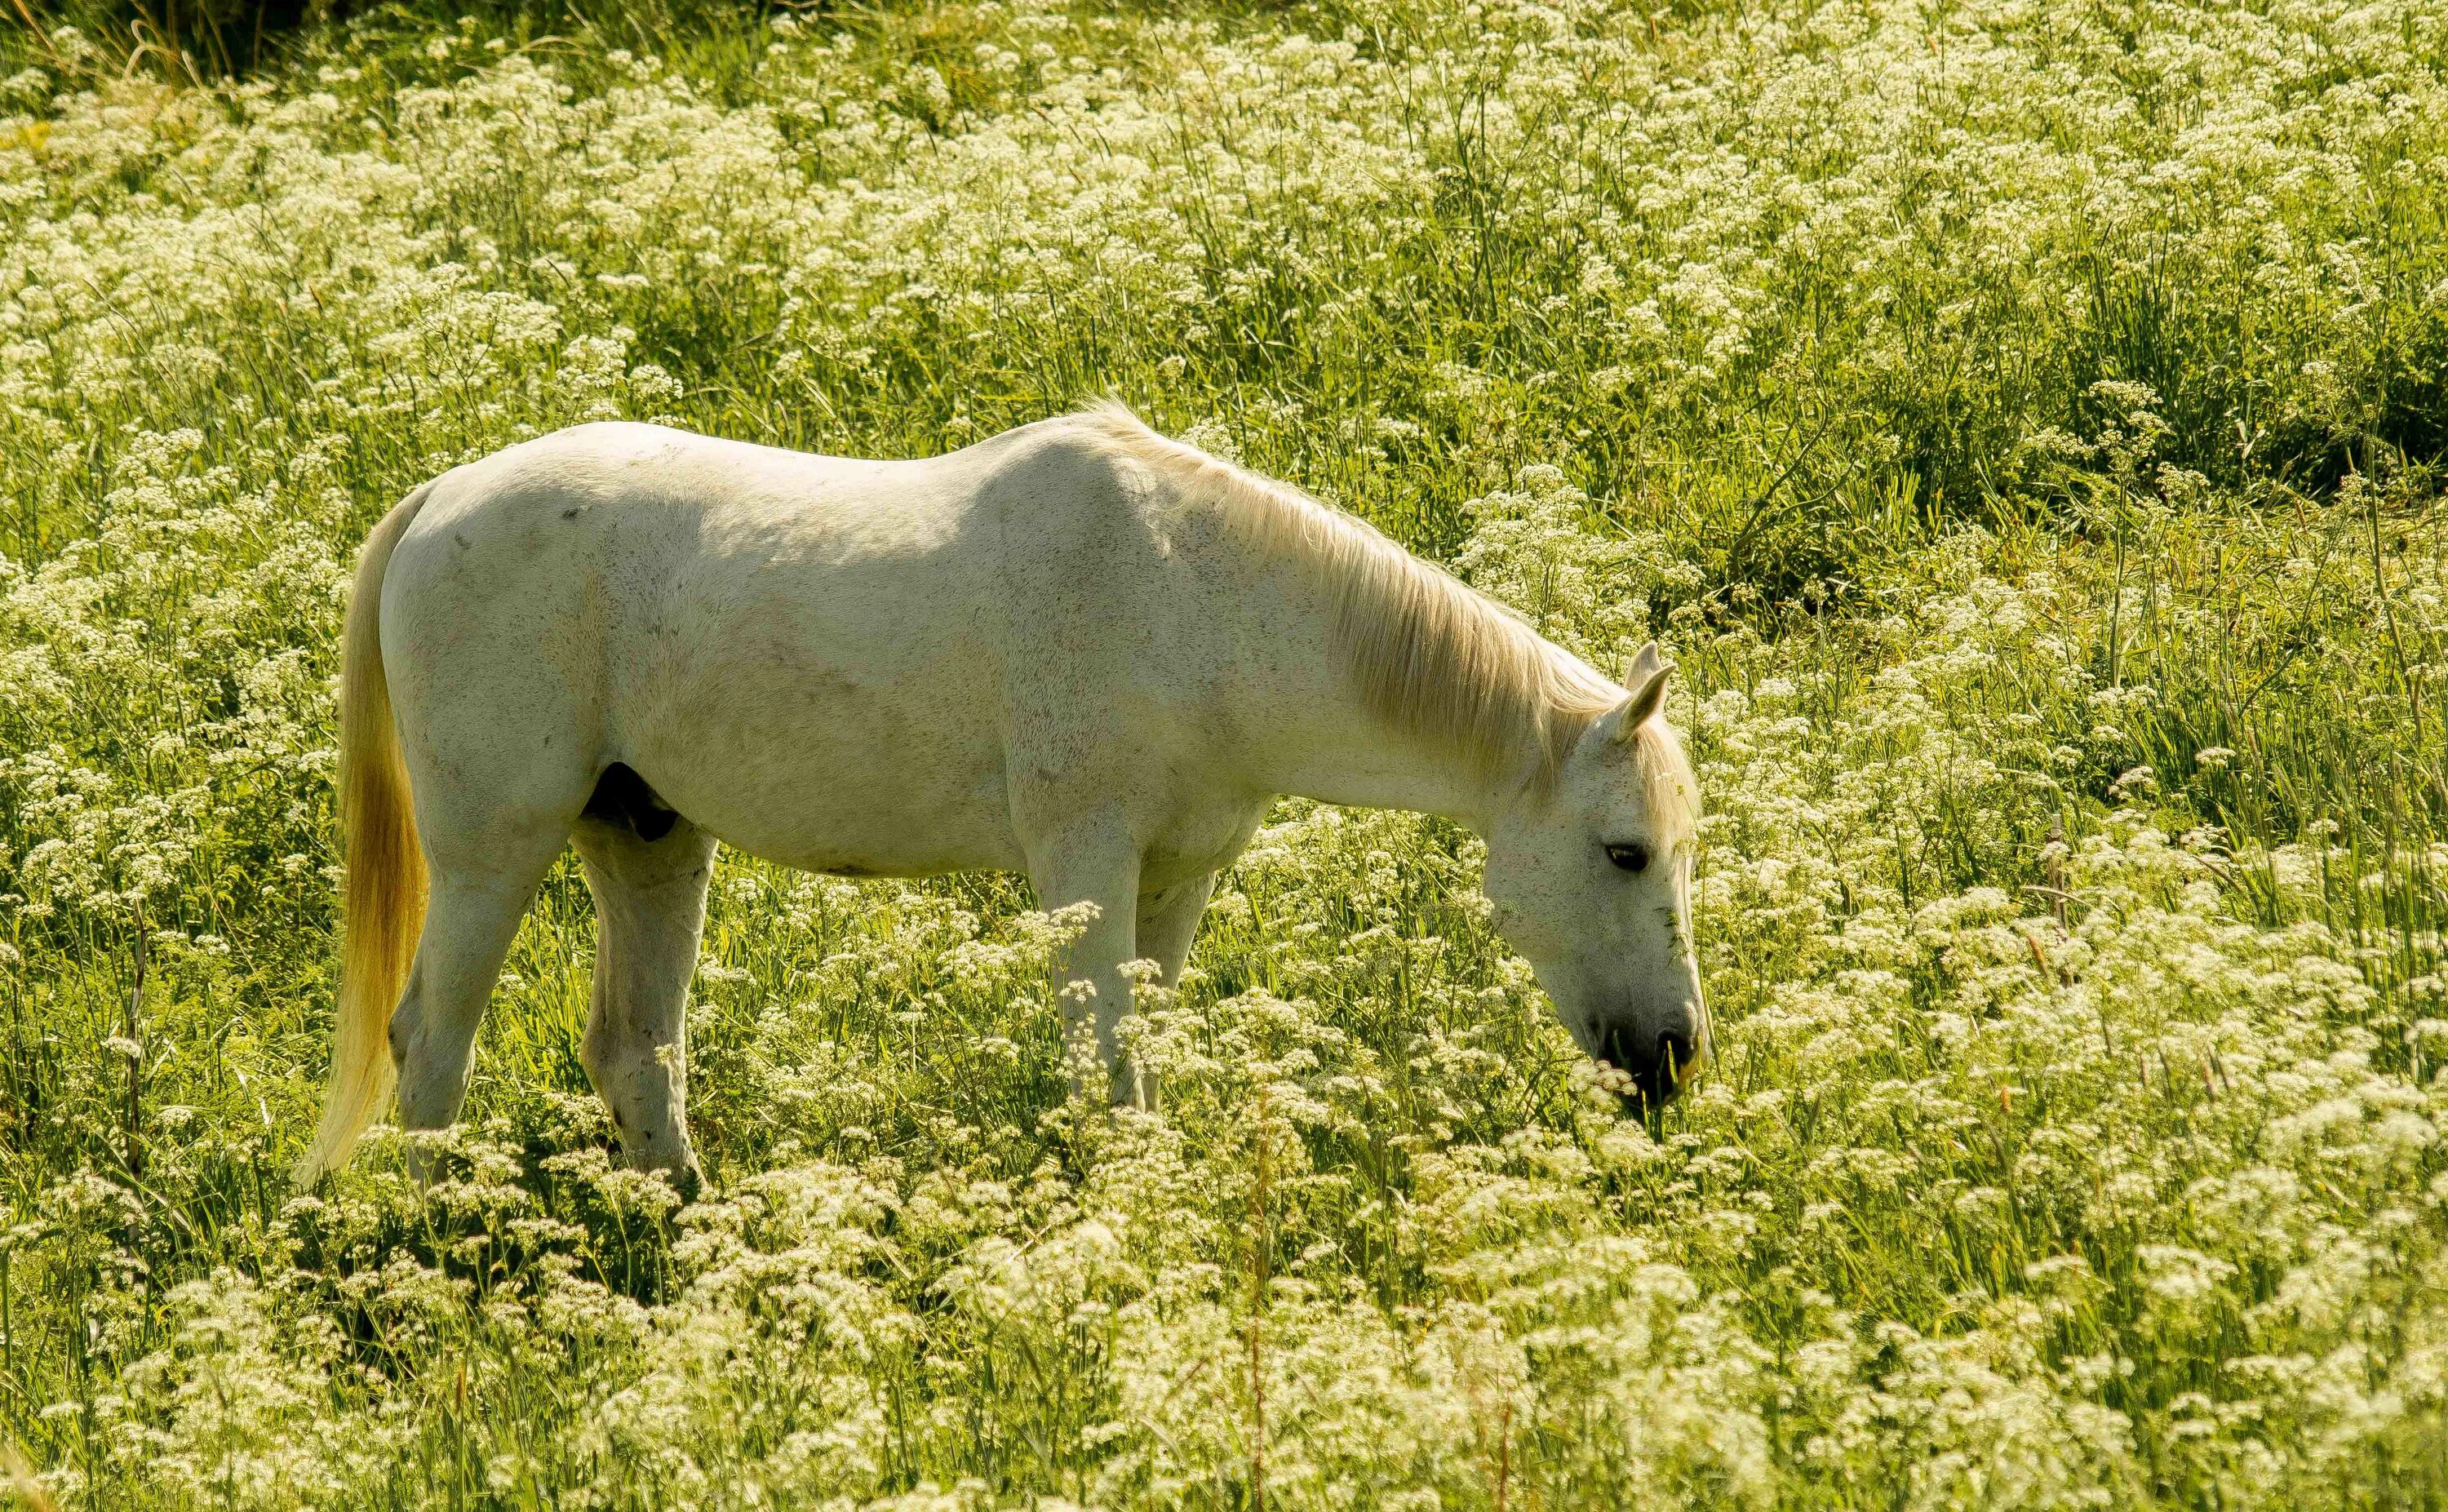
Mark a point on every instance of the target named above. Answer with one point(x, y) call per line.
point(1430, 655)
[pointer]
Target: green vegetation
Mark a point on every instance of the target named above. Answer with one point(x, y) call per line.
point(2022, 421)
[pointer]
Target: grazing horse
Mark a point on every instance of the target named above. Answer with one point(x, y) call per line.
point(1078, 649)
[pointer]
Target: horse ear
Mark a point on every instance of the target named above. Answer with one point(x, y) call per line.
point(1646, 664)
point(1646, 677)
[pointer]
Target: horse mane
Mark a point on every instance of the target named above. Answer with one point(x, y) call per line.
point(1430, 655)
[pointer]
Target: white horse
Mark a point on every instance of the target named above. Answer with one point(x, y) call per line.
point(1077, 649)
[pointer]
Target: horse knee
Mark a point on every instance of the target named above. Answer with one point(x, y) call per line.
point(641, 1083)
point(617, 1058)
point(595, 1050)
point(431, 1061)
point(405, 1030)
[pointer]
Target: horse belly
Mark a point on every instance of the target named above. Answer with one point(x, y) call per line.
point(812, 819)
point(826, 764)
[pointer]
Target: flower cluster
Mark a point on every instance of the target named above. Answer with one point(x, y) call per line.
point(2016, 419)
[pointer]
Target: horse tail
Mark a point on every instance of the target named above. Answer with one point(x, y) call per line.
point(382, 909)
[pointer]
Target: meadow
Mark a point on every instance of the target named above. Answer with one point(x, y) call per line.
point(2022, 421)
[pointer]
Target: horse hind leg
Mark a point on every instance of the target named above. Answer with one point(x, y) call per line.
point(647, 869)
point(493, 738)
point(471, 916)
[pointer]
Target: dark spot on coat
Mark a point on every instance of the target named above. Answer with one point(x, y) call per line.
point(622, 798)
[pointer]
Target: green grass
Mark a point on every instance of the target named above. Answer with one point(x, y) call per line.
point(2022, 423)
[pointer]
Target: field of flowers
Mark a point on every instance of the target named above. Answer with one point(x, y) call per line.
point(2020, 419)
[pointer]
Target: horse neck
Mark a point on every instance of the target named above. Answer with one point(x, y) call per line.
point(1313, 736)
point(1356, 761)
point(1279, 575)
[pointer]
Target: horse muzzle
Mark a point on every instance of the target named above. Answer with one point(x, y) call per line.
point(1661, 1063)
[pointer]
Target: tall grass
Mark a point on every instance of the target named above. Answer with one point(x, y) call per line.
point(2021, 422)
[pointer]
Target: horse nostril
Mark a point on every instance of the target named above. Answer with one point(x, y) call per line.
point(1673, 1053)
point(1656, 1077)
point(1614, 1047)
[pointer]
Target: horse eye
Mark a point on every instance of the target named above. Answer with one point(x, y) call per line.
point(1630, 857)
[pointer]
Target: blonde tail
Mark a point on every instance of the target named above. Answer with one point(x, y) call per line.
point(383, 908)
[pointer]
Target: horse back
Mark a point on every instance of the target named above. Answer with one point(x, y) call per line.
point(832, 662)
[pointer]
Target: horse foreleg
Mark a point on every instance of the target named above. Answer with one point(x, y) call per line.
point(1169, 920)
point(649, 917)
point(1099, 866)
